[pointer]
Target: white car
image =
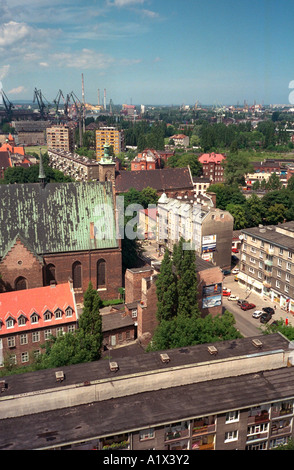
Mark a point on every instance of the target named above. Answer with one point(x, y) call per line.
point(257, 313)
point(235, 271)
point(226, 289)
point(233, 297)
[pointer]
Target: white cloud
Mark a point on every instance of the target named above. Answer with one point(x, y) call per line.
point(86, 59)
point(44, 64)
point(17, 90)
point(126, 3)
point(13, 32)
point(4, 71)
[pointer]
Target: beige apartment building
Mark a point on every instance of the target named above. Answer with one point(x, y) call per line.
point(78, 167)
point(110, 135)
point(60, 138)
point(267, 262)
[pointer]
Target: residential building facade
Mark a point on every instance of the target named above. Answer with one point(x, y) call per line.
point(60, 137)
point(30, 318)
point(78, 167)
point(212, 165)
point(110, 135)
point(208, 229)
point(147, 401)
point(267, 262)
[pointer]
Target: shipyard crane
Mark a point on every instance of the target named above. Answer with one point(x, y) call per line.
point(43, 108)
point(7, 105)
point(57, 101)
point(79, 110)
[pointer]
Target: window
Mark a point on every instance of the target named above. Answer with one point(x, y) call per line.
point(287, 288)
point(50, 274)
point(287, 277)
point(9, 323)
point(278, 284)
point(36, 336)
point(279, 262)
point(147, 434)
point(77, 275)
point(71, 328)
point(231, 436)
point(68, 312)
point(58, 314)
point(101, 274)
point(24, 339)
point(251, 270)
point(24, 357)
point(22, 320)
point(11, 341)
point(47, 334)
point(134, 313)
point(289, 254)
point(47, 315)
point(21, 283)
point(278, 273)
point(34, 318)
point(232, 416)
point(288, 266)
point(59, 331)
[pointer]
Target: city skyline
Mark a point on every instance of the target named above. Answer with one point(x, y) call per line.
point(147, 51)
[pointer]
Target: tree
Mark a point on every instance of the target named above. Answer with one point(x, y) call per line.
point(238, 212)
point(274, 182)
point(254, 210)
point(236, 167)
point(84, 345)
point(166, 290)
point(187, 286)
point(276, 214)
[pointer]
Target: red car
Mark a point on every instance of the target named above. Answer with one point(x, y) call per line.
point(247, 306)
point(235, 250)
point(226, 293)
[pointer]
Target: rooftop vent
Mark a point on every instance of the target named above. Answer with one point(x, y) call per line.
point(59, 376)
point(164, 358)
point(257, 343)
point(212, 350)
point(113, 366)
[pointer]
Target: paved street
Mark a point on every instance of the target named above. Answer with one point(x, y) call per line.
point(244, 321)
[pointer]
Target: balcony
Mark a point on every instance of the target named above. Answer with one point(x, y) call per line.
point(176, 435)
point(205, 429)
point(263, 417)
point(268, 262)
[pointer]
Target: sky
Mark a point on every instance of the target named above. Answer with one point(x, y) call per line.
point(168, 52)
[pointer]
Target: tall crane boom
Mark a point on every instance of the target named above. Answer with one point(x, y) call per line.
point(7, 105)
point(43, 108)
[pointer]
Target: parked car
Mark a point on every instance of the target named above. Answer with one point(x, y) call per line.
point(226, 289)
point(268, 310)
point(247, 306)
point(235, 271)
point(235, 250)
point(265, 317)
point(226, 293)
point(257, 313)
point(226, 272)
point(233, 297)
point(240, 302)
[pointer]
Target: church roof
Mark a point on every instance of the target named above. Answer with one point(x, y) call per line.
point(161, 180)
point(58, 218)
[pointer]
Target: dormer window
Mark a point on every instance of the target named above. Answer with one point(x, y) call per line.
point(47, 315)
point(68, 312)
point(58, 313)
point(9, 322)
point(21, 320)
point(34, 318)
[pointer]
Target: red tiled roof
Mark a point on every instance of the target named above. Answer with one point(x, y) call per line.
point(39, 300)
point(211, 157)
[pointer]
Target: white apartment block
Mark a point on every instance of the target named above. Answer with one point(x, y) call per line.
point(267, 263)
point(209, 230)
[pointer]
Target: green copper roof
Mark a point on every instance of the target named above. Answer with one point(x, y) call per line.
point(59, 217)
